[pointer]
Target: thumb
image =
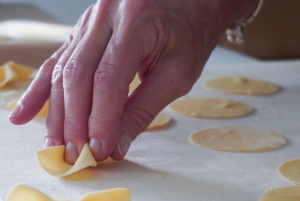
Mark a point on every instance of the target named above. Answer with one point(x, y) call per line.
point(157, 90)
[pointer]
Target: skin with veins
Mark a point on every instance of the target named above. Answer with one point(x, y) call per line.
point(237, 139)
point(210, 108)
point(287, 193)
point(27, 193)
point(241, 85)
point(290, 170)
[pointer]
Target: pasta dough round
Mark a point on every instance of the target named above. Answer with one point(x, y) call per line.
point(286, 193)
point(27, 193)
point(160, 121)
point(210, 108)
point(241, 85)
point(239, 139)
point(290, 170)
point(53, 162)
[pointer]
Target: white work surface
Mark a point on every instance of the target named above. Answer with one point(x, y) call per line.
point(163, 165)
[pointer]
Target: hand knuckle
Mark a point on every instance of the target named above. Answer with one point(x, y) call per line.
point(141, 118)
point(74, 71)
point(106, 75)
point(57, 75)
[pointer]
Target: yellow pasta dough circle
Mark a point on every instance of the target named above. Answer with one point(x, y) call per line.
point(241, 85)
point(161, 120)
point(290, 170)
point(210, 108)
point(286, 193)
point(237, 139)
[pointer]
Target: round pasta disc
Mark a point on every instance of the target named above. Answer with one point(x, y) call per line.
point(237, 139)
point(161, 120)
point(286, 193)
point(241, 85)
point(290, 170)
point(210, 108)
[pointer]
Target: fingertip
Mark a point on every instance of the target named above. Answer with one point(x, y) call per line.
point(71, 153)
point(95, 148)
point(49, 143)
point(122, 147)
point(14, 116)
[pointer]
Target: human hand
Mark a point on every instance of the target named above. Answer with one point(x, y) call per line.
point(87, 80)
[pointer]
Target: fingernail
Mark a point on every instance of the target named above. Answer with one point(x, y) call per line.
point(95, 147)
point(71, 153)
point(15, 111)
point(124, 143)
point(49, 143)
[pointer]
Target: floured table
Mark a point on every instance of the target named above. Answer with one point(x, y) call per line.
point(163, 165)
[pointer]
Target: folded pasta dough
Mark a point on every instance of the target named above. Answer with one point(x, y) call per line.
point(13, 72)
point(53, 162)
point(24, 193)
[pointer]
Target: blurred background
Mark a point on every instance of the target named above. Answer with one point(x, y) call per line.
point(274, 35)
point(66, 11)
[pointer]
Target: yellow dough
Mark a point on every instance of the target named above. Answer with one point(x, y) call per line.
point(42, 113)
point(117, 194)
point(12, 72)
point(287, 193)
point(26, 193)
point(160, 121)
point(241, 85)
point(210, 108)
point(237, 139)
point(290, 170)
point(134, 84)
point(52, 160)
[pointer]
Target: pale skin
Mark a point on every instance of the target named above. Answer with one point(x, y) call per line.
point(87, 80)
